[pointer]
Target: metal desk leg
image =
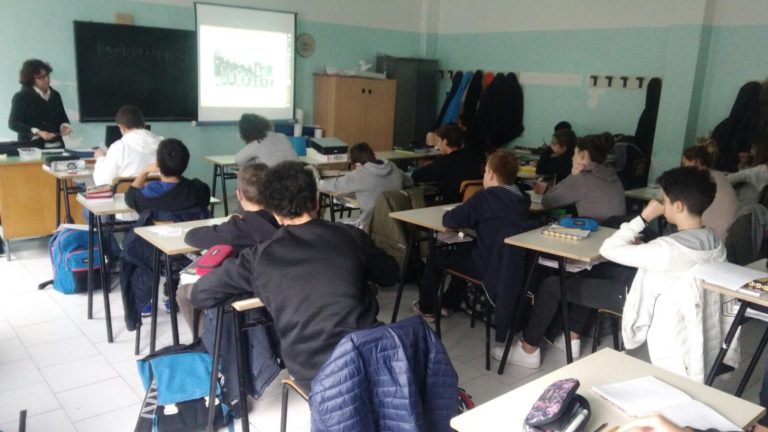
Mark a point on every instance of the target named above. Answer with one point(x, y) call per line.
point(511, 334)
point(89, 281)
point(401, 285)
point(67, 210)
point(224, 190)
point(58, 202)
point(171, 299)
point(7, 244)
point(103, 279)
point(154, 300)
point(564, 309)
point(213, 183)
point(727, 342)
point(332, 207)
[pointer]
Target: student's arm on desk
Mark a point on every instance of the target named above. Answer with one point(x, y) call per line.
point(106, 168)
point(230, 282)
point(345, 184)
point(623, 248)
point(563, 194)
point(429, 173)
point(463, 215)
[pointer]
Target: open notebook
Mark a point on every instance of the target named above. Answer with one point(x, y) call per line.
point(648, 395)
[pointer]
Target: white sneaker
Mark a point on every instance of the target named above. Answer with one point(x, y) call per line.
point(575, 345)
point(518, 357)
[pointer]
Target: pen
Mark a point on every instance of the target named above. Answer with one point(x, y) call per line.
point(574, 425)
point(601, 427)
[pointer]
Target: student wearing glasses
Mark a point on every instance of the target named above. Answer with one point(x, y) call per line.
point(37, 113)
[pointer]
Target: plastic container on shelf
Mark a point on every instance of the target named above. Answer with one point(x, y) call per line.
point(30, 153)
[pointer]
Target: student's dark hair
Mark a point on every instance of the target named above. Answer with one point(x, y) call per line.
point(289, 190)
point(249, 180)
point(172, 157)
point(692, 186)
point(130, 117)
point(361, 153)
point(563, 125)
point(505, 165)
point(451, 133)
point(760, 147)
point(253, 127)
point(595, 145)
point(30, 68)
point(565, 137)
point(700, 155)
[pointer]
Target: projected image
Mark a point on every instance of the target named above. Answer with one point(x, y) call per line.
point(245, 68)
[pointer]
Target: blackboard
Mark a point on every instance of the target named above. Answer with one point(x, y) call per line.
point(152, 68)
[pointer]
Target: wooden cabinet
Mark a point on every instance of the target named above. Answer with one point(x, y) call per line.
point(355, 109)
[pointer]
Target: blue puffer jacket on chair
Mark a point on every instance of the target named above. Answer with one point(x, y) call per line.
point(396, 377)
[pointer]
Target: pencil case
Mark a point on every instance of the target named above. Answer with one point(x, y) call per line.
point(577, 222)
point(212, 258)
point(559, 409)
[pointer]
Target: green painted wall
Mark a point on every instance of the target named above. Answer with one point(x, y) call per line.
point(47, 26)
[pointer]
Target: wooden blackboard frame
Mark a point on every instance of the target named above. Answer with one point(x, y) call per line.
point(152, 68)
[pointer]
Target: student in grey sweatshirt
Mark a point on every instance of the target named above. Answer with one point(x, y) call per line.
point(370, 178)
point(593, 188)
point(263, 145)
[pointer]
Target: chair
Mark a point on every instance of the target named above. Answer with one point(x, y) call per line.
point(479, 291)
point(615, 318)
point(121, 184)
point(469, 188)
point(288, 385)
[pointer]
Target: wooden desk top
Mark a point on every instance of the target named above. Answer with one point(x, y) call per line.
point(405, 154)
point(604, 367)
point(223, 160)
point(762, 300)
point(229, 160)
point(63, 175)
point(645, 194)
point(585, 250)
point(426, 217)
point(174, 244)
point(114, 207)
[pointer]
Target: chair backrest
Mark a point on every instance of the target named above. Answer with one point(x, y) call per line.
point(390, 234)
point(469, 188)
point(361, 367)
point(121, 184)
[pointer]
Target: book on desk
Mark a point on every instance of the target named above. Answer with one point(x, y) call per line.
point(556, 230)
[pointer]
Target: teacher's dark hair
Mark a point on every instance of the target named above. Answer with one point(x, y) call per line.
point(30, 68)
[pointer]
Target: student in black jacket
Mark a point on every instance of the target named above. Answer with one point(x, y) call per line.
point(172, 192)
point(244, 230)
point(456, 165)
point(555, 160)
point(312, 275)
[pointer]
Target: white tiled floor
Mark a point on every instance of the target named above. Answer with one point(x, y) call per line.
point(57, 365)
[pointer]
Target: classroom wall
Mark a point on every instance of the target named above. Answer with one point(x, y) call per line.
point(345, 32)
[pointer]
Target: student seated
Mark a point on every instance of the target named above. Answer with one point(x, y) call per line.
point(681, 322)
point(456, 165)
point(173, 198)
point(556, 159)
point(312, 275)
point(749, 182)
point(491, 212)
point(592, 187)
point(127, 156)
point(173, 192)
point(262, 144)
point(720, 215)
point(370, 178)
point(252, 226)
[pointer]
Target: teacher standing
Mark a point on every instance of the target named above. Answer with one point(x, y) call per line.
point(37, 113)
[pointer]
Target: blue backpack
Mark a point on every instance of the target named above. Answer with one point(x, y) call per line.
point(69, 255)
point(177, 380)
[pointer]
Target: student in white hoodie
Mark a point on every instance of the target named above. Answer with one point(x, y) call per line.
point(370, 178)
point(681, 322)
point(127, 156)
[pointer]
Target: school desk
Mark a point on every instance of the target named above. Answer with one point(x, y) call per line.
point(585, 251)
point(603, 367)
point(26, 207)
point(65, 189)
point(169, 240)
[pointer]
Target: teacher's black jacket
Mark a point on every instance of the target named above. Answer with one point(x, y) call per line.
point(29, 110)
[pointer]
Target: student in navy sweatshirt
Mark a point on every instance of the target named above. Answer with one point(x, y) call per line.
point(496, 210)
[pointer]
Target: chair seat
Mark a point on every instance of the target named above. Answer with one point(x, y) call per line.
point(469, 279)
point(247, 304)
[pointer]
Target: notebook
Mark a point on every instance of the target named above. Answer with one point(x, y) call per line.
point(648, 395)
